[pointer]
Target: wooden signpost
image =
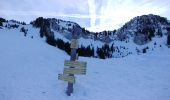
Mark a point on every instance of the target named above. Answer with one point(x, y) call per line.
point(72, 66)
point(74, 43)
point(76, 71)
point(70, 79)
point(75, 64)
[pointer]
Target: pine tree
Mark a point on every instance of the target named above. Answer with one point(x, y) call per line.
point(51, 41)
point(144, 50)
point(92, 52)
point(100, 53)
point(1, 21)
point(168, 39)
point(67, 47)
point(41, 33)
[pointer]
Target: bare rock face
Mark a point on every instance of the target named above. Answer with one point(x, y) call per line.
point(140, 39)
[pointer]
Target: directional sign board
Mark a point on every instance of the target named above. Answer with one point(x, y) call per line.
point(74, 43)
point(74, 71)
point(70, 79)
point(81, 65)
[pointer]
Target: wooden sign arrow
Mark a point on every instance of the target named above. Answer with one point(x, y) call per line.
point(74, 43)
point(70, 79)
point(74, 71)
point(80, 65)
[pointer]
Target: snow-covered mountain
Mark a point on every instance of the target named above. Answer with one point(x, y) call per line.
point(29, 68)
point(141, 34)
point(144, 28)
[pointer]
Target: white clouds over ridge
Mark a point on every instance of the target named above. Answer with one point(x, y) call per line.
point(97, 15)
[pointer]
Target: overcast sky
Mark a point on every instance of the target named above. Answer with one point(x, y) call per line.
point(96, 15)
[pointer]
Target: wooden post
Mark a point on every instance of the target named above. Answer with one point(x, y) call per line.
point(72, 66)
point(72, 58)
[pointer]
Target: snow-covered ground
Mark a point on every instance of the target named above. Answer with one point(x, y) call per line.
point(29, 69)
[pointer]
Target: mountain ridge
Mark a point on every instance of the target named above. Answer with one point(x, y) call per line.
point(139, 35)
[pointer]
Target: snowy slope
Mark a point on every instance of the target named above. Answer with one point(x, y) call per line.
point(29, 69)
point(122, 42)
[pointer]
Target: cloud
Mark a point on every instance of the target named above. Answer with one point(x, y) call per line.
point(92, 12)
point(27, 10)
point(114, 13)
point(96, 15)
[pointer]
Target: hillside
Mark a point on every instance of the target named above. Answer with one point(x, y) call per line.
point(141, 34)
point(29, 69)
